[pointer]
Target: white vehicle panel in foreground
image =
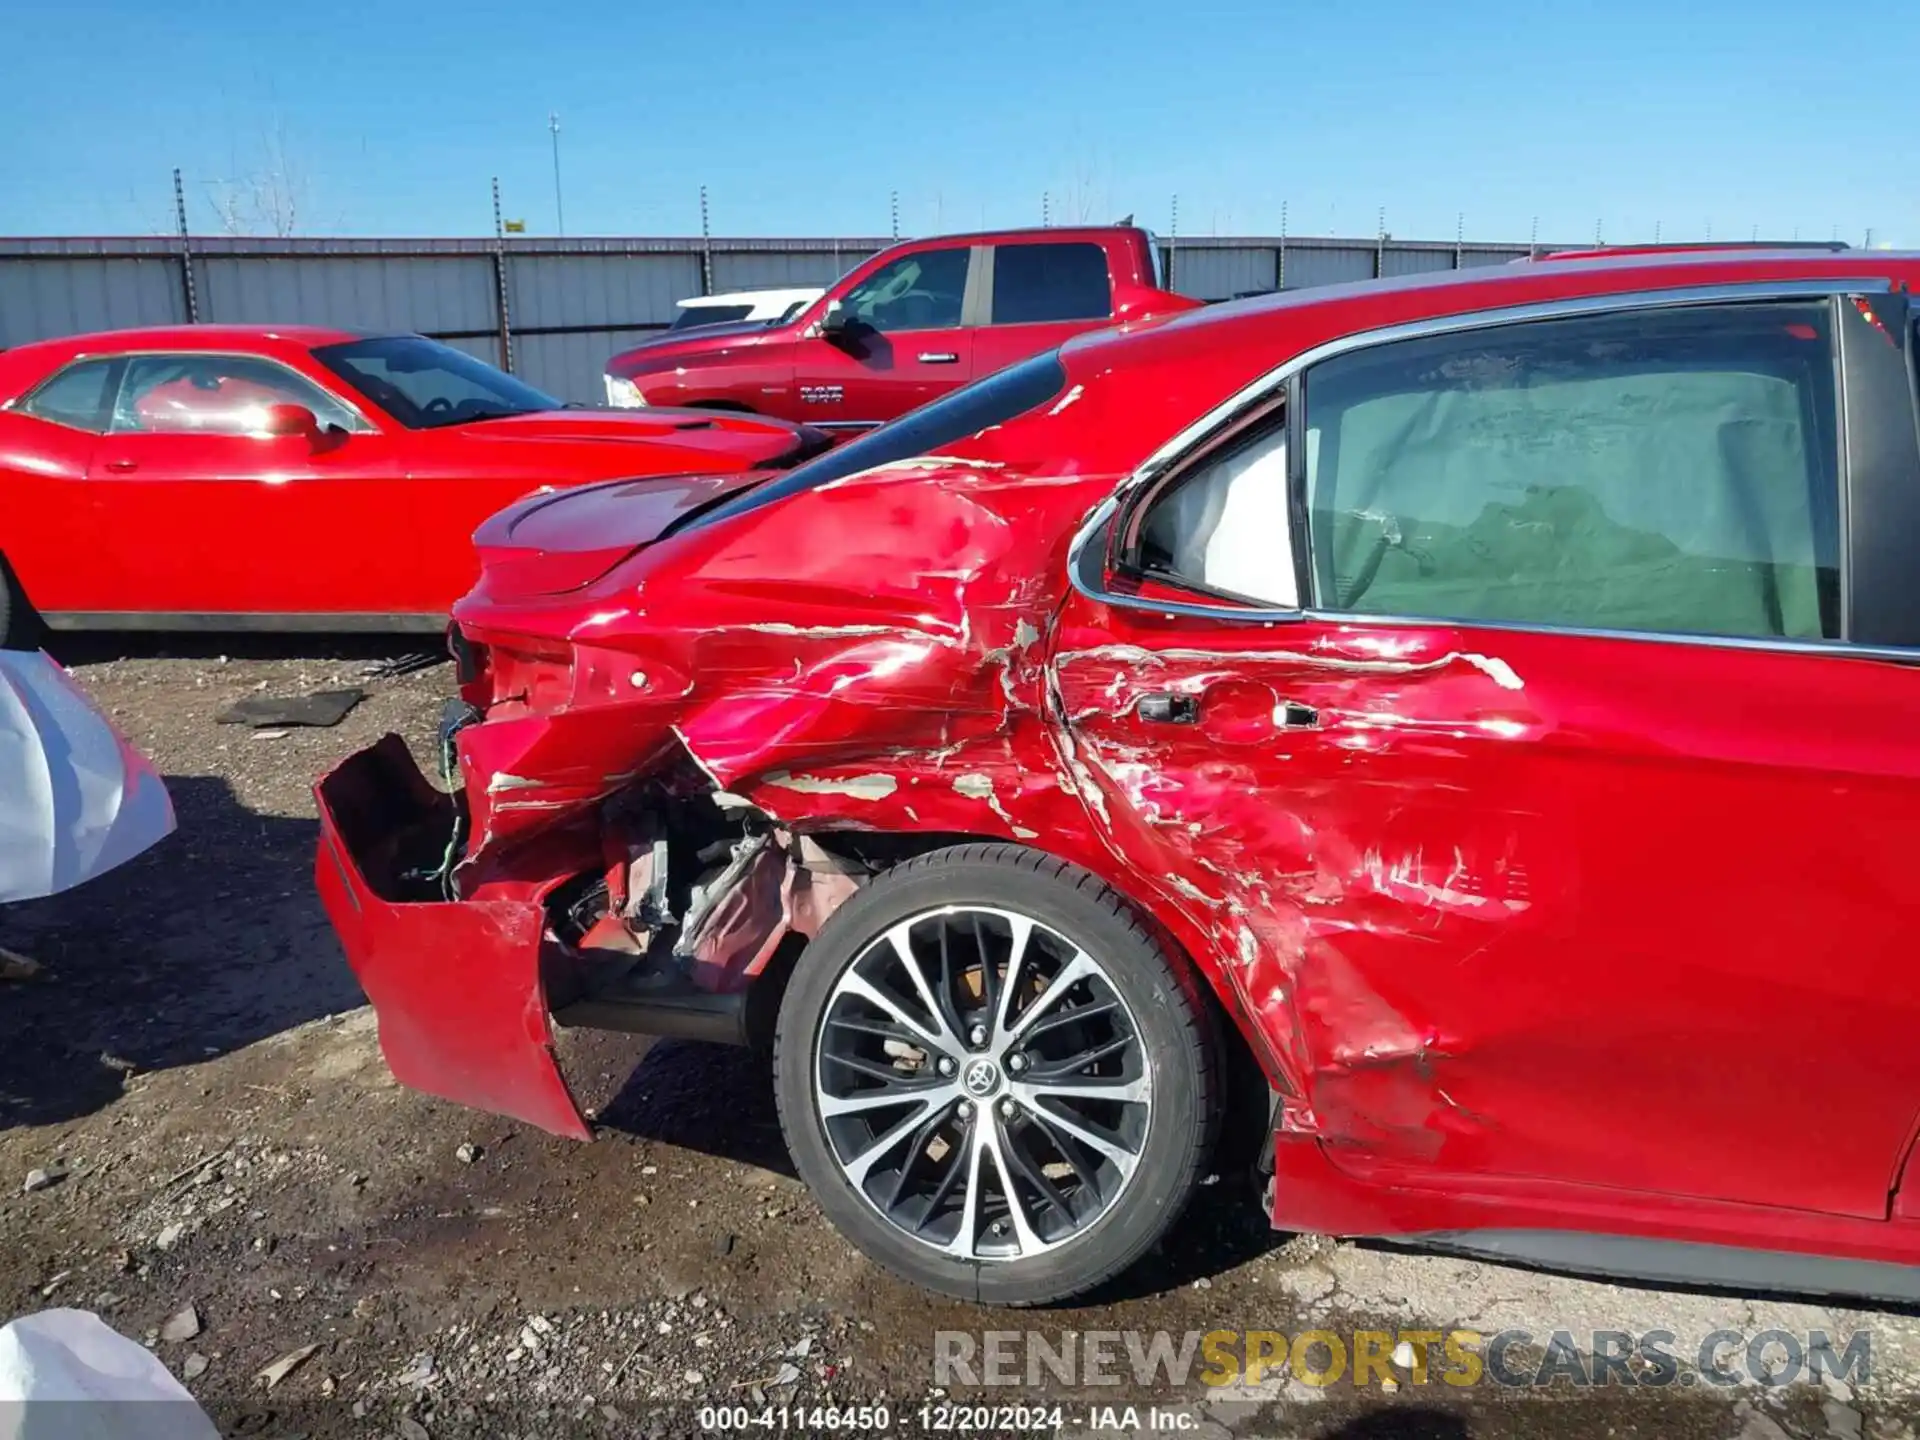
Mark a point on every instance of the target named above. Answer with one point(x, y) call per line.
point(76, 799)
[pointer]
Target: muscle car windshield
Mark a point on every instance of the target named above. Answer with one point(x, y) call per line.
point(424, 384)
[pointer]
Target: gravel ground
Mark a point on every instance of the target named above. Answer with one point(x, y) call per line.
point(238, 1183)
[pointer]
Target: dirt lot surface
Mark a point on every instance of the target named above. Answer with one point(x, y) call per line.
point(237, 1182)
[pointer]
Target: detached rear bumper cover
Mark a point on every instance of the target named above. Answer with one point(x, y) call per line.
point(75, 799)
point(456, 986)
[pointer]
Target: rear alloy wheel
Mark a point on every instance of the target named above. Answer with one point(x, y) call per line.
point(992, 1077)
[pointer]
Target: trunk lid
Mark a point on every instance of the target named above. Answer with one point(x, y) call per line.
point(560, 540)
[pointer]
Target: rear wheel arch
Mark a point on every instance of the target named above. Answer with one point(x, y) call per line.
point(1125, 952)
point(1246, 1082)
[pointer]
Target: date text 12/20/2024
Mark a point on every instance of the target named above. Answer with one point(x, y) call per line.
point(936, 1418)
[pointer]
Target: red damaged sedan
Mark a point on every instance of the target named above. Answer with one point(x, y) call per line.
point(229, 477)
point(1487, 702)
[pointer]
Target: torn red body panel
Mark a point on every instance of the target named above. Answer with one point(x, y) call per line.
point(484, 1042)
point(1529, 928)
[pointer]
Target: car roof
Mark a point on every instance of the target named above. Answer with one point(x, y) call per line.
point(1056, 233)
point(1684, 247)
point(264, 338)
point(1265, 331)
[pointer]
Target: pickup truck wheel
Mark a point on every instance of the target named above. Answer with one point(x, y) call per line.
point(994, 1078)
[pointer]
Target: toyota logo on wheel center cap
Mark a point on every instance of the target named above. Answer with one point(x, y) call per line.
point(982, 1078)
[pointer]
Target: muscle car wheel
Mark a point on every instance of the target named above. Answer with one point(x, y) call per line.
point(13, 610)
point(993, 1078)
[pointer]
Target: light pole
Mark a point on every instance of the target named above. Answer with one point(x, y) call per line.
point(559, 211)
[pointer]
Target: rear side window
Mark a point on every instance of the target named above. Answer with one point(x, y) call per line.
point(967, 411)
point(1669, 471)
point(1034, 283)
point(1226, 526)
point(77, 396)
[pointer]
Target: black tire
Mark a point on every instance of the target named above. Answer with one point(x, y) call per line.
point(15, 616)
point(1174, 1028)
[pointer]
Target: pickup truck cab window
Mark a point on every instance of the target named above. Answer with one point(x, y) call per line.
point(1672, 471)
point(1045, 282)
point(923, 290)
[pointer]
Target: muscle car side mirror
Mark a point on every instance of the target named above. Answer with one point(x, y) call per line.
point(290, 419)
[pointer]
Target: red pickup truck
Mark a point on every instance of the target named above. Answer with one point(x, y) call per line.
point(914, 322)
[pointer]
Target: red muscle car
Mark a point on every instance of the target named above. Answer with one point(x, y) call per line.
point(1488, 703)
point(230, 476)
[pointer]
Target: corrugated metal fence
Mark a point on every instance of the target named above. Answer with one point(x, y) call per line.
point(550, 310)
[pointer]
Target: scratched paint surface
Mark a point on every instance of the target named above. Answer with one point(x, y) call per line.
point(1479, 918)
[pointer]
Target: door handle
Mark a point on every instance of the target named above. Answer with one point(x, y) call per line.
point(1169, 709)
point(1165, 708)
point(939, 357)
point(123, 465)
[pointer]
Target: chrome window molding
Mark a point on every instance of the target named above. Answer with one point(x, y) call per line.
point(1087, 553)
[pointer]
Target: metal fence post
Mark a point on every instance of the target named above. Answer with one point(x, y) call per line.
point(1173, 241)
point(706, 246)
point(1280, 255)
point(186, 250)
point(500, 281)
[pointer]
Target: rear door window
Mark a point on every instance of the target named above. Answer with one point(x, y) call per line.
point(1668, 470)
point(1035, 283)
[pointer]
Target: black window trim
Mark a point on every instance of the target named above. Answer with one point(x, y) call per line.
point(900, 440)
point(1093, 548)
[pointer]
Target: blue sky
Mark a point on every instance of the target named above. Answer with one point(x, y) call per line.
point(800, 119)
